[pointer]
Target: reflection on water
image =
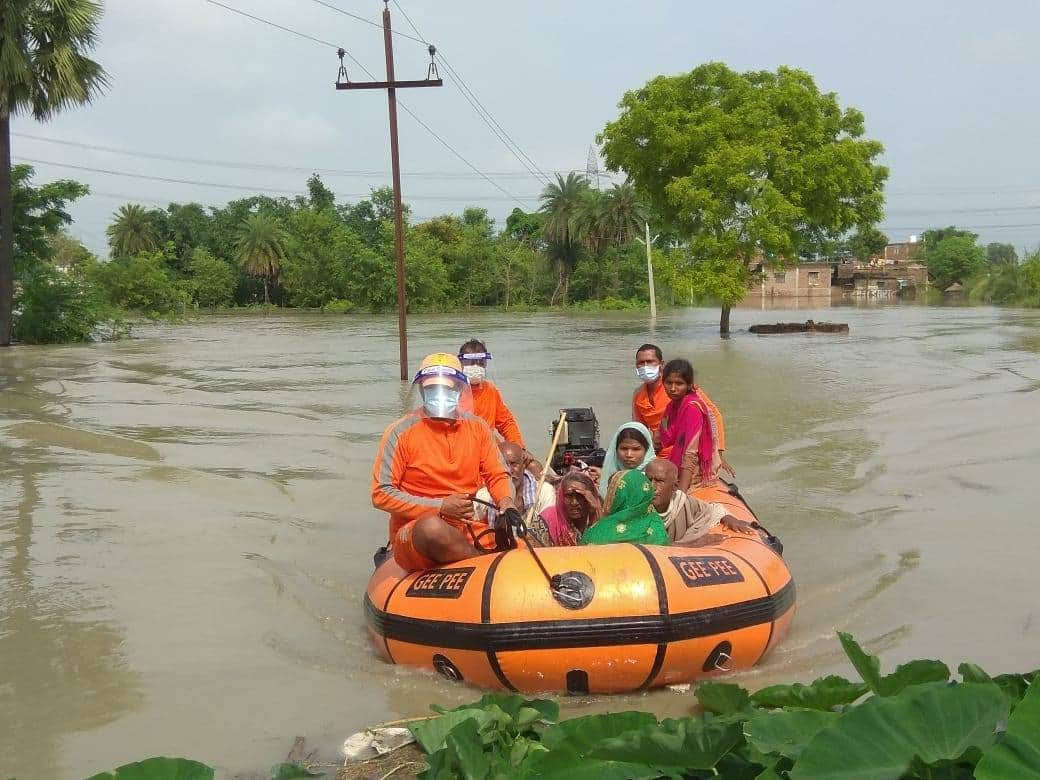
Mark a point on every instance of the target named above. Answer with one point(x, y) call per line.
point(186, 528)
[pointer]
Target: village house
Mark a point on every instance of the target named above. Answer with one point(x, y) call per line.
point(798, 280)
point(880, 282)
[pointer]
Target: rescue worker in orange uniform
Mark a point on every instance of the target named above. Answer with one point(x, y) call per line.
point(430, 462)
point(649, 401)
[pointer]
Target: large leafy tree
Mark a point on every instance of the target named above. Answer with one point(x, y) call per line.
point(748, 166)
point(955, 258)
point(43, 70)
point(562, 202)
point(132, 231)
point(261, 248)
point(38, 214)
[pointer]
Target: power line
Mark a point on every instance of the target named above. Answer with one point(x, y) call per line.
point(411, 113)
point(360, 18)
point(240, 165)
point(269, 23)
point(480, 109)
point(249, 187)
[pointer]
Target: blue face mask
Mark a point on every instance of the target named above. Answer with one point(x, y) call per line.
point(648, 373)
point(441, 401)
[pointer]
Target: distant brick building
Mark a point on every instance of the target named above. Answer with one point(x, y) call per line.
point(904, 252)
point(880, 282)
point(799, 280)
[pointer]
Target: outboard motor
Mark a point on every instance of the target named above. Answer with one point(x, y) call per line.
point(582, 444)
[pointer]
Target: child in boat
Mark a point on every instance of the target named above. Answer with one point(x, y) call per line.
point(577, 507)
point(630, 448)
point(686, 431)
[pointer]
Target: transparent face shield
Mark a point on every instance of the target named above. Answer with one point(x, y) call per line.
point(441, 392)
point(475, 366)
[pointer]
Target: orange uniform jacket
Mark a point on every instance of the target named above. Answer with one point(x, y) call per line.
point(489, 406)
point(650, 411)
point(420, 461)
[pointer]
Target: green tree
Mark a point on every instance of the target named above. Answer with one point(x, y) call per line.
point(931, 238)
point(68, 253)
point(39, 213)
point(143, 283)
point(1001, 254)
point(1029, 282)
point(955, 258)
point(213, 281)
point(524, 227)
point(748, 166)
point(132, 231)
point(561, 205)
point(260, 248)
point(319, 197)
point(187, 226)
point(867, 242)
point(55, 308)
point(43, 70)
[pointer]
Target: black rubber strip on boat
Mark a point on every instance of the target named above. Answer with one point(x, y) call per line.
point(485, 618)
point(662, 606)
point(772, 623)
point(577, 632)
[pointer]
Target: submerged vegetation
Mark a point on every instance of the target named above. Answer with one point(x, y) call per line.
point(915, 722)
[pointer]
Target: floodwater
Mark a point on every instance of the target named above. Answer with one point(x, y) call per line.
point(185, 528)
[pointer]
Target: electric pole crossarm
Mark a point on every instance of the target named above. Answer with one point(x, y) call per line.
point(389, 84)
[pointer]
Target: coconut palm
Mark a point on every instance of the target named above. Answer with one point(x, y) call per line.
point(260, 246)
point(132, 231)
point(624, 214)
point(561, 203)
point(43, 70)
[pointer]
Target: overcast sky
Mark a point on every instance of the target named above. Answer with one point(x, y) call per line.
point(948, 87)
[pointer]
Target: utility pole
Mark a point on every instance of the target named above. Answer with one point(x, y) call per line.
point(650, 268)
point(391, 86)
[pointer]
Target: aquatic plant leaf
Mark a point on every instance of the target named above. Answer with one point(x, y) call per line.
point(465, 742)
point(824, 693)
point(868, 666)
point(582, 734)
point(913, 673)
point(905, 675)
point(1013, 685)
point(430, 734)
point(680, 744)
point(1017, 755)
point(159, 768)
point(564, 764)
point(786, 732)
point(880, 738)
point(722, 698)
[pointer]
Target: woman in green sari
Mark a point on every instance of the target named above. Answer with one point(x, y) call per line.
point(631, 516)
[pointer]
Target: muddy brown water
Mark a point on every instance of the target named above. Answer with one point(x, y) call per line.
point(185, 528)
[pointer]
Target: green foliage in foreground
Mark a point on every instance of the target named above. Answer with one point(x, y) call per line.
point(912, 723)
point(162, 768)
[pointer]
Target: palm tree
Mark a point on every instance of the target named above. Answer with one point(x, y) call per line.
point(43, 70)
point(260, 245)
point(131, 232)
point(624, 213)
point(561, 203)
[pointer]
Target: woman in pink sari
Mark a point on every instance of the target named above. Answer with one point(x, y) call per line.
point(686, 429)
point(577, 507)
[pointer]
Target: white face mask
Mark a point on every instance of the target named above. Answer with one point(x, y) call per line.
point(648, 373)
point(441, 402)
point(475, 374)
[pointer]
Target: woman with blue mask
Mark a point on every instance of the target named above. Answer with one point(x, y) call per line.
point(631, 448)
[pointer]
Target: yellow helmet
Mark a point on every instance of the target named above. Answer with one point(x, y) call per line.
point(440, 368)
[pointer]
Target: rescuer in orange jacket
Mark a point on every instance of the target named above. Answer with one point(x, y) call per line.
point(429, 464)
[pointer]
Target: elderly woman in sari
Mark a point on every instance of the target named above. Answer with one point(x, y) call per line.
point(578, 506)
point(630, 514)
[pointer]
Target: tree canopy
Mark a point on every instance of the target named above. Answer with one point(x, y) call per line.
point(44, 69)
point(747, 166)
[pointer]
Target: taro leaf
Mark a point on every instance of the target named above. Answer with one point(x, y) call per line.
point(581, 734)
point(159, 768)
point(464, 741)
point(681, 744)
point(293, 772)
point(912, 673)
point(565, 764)
point(1017, 755)
point(722, 698)
point(824, 693)
point(880, 738)
point(786, 732)
point(430, 733)
point(511, 704)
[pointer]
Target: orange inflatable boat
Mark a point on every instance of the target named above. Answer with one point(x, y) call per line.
point(619, 617)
